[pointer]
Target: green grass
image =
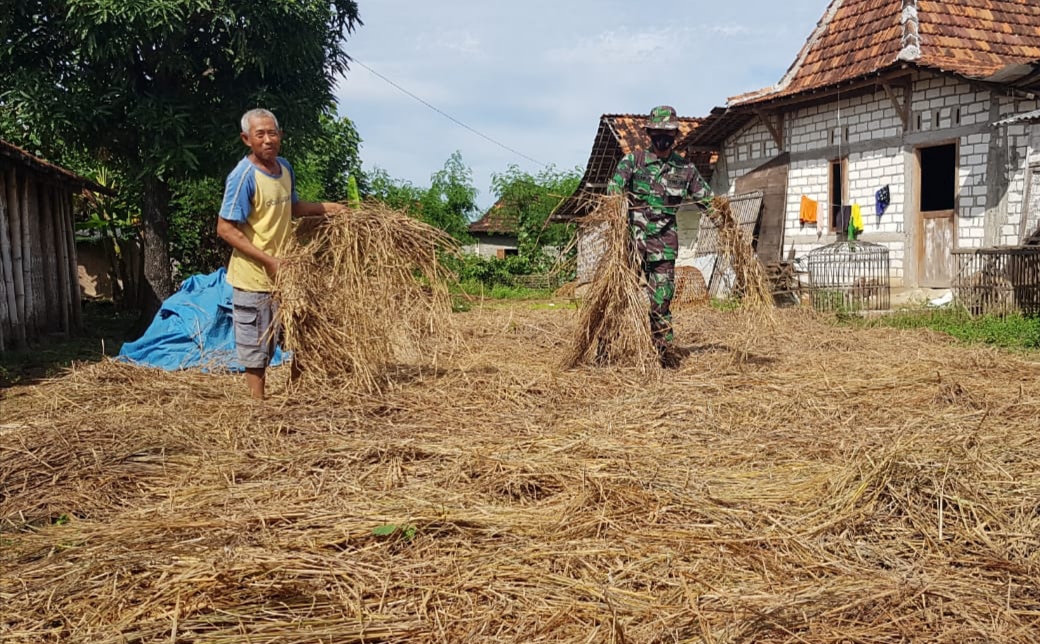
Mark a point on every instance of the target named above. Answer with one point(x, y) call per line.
point(501, 291)
point(104, 330)
point(1010, 332)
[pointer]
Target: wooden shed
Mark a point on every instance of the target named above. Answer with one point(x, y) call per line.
point(39, 285)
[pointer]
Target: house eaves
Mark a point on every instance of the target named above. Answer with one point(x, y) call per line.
point(857, 40)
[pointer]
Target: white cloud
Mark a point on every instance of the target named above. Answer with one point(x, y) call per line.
point(537, 75)
point(622, 47)
point(463, 42)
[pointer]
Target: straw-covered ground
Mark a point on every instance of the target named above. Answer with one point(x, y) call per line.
point(837, 486)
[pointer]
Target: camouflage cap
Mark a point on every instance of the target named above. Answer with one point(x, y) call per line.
point(663, 117)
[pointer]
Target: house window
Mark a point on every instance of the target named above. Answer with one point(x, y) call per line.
point(938, 178)
point(838, 192)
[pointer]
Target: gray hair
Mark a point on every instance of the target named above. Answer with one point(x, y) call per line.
point(257, 113)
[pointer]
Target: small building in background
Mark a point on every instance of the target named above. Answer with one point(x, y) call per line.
point(39, 285)
point(495, 234)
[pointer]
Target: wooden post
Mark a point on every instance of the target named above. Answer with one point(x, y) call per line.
point(50, 258)
point(29, 320)
point(36, 265)
point(61, 253)
point(10, 304)
point(14, 210)
point(77, 302)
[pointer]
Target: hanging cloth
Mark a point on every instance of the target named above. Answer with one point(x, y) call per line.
point(808, 211)
point(856, 222)
point(881, 200)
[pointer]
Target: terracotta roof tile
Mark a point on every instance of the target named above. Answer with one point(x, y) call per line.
point(618, 135)
point(495, 221)
point(972, 38)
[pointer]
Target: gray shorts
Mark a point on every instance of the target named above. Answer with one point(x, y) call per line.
point(257, 330)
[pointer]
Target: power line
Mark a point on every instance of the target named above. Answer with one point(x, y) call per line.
point(449, 116)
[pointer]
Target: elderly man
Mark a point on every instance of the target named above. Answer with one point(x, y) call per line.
point(657, 181)
point(256, 221)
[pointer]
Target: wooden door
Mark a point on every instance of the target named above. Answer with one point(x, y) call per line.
point(939, 240)
point(935, 200)
point(770, 179)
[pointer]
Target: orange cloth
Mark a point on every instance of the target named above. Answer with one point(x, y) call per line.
point(808, 212)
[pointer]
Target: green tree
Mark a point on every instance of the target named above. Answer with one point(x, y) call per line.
point(529, 200)
point(157, 86)
point(327, 160)
point(449, 203)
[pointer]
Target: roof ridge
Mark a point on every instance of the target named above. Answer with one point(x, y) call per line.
point(911, 23)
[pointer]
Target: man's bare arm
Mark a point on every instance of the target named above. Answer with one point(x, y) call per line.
point(314, 209)
point(230, 232)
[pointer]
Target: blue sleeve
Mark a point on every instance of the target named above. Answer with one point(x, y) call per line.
point(238, 194)
point(292, 178)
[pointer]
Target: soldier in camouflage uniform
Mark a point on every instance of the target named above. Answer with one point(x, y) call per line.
point(657, 181)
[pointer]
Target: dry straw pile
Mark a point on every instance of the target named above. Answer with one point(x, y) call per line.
point(751, 284)
point(613, 326)
point(874, 486)
point(364, 295)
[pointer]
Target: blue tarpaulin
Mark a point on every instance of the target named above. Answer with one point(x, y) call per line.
point(193, 329)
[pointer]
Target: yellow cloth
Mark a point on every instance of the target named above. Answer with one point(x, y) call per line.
point(857, 218)
point(268, 226)
point(808, 212)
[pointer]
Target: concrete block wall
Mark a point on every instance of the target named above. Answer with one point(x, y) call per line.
point(880, 152)
point(823, 128)
point(751, 147)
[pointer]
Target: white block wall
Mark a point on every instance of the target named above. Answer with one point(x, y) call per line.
point(938, 104)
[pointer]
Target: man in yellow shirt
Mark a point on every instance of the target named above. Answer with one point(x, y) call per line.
point(255, 219)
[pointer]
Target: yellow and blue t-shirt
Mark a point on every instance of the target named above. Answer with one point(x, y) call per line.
point(262, 204)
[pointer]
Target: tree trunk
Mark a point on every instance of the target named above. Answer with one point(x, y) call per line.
point(158, 273)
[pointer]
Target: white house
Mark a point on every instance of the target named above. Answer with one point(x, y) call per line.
point(935, 101)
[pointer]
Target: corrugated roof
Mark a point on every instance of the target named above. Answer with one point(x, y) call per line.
point(855, 38)
point(495, 221)
point(1021, 118)
point(19, 155)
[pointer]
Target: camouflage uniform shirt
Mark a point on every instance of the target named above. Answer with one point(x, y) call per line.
point(660, 186)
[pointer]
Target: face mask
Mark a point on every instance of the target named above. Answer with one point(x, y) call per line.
point(662, 141)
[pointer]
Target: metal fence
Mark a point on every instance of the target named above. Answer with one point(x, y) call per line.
point(998, 281)
point(848, 276)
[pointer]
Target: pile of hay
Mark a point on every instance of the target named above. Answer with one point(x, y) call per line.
point(363, 295)
point(751, 284)
point(836, 493)
point(613, 325)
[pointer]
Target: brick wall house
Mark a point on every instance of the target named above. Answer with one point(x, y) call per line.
point(923, 97)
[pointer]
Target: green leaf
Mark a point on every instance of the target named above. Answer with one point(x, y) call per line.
point(385, 530)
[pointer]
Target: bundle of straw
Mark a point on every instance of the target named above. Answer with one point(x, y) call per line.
point(756, 315)
point(363, 295)
point(614, 320)
point(751, 283)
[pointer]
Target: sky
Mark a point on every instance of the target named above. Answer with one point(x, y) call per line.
point(535, 75)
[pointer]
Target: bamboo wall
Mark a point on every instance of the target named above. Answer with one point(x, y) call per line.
point(39, 283)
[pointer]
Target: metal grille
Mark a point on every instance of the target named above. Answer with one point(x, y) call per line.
point(848, 276)
point(998, 281)
point(719, 273)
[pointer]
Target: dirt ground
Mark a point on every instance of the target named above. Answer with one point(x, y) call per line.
point(837, 485)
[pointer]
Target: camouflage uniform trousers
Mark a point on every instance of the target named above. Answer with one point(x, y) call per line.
point(657, 245)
